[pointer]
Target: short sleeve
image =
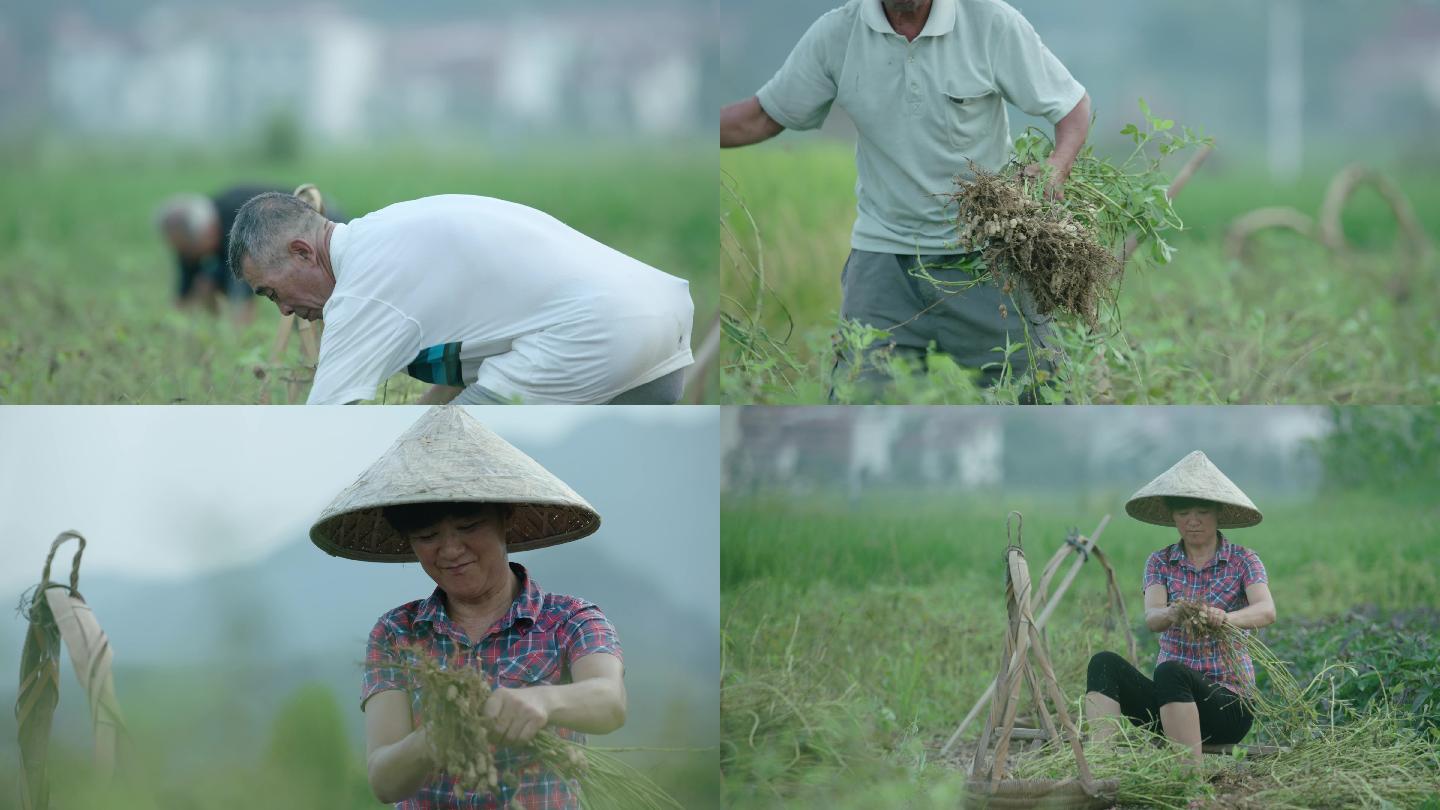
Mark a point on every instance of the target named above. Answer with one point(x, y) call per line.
point(587, 632)
point(1153, 573)
point(1254, 570)
point(382, 665)
point(1028, 74)
point(799, 95)
point(365, 341)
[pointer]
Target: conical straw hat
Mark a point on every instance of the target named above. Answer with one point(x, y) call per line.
point(1193, 477)
point(449, 456)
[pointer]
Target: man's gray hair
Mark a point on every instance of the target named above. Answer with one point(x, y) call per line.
point(265, 224)
point(186, 214)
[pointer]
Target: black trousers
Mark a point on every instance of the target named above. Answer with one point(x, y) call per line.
point(1223, 716)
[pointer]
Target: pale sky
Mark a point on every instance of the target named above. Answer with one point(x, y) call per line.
point(176, 491)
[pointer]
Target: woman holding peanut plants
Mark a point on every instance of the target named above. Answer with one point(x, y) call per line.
point(1201, 689)
point(458, 498)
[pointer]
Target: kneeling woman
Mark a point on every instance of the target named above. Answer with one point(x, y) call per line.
point(458, 499)
point(1196, 694)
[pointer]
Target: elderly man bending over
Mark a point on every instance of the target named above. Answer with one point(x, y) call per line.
point(473, 293)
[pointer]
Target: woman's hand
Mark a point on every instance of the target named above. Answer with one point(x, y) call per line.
point(517, 715)
point(398, 756)
point(1214, 616)
point(593, 703)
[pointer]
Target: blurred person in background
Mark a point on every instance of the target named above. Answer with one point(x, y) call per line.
point(490, 301)
point(459, 499)
point(926, 83)
point(197, 230)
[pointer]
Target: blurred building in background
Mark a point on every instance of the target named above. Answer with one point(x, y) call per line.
point(224, 73)
point(959, 450)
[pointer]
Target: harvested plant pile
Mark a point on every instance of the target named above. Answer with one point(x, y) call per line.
point(1368, 758)
point(1056, 256)
point(1070, 254)
point(1152, 771)
point(453, 700)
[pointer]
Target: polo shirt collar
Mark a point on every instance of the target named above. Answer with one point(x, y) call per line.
point(526, 607)
point(1222, 551)
point(941, 20)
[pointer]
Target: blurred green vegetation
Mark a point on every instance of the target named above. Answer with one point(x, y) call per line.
point(195, 745)
point(1382, 449)
point(1295, 323)
point(89, 286)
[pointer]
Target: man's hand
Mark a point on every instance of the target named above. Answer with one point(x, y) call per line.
point(439, 394)
point(1070, 133)
point(1055, 186)
point(517, 715)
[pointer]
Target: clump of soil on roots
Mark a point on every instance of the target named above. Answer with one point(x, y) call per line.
point(1038, 242)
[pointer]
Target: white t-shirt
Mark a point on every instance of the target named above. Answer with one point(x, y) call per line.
point(458, 289)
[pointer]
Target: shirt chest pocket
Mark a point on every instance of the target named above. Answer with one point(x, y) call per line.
point(966, 114)
point(530, 669)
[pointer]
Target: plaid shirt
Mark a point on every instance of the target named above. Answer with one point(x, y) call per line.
point(535, 642)
point(1221, 583)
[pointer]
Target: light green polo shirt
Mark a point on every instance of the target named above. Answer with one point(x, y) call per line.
point(922, 109)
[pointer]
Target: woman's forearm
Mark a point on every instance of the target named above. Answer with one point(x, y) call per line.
point(1253, 616)
point(591, 706)
point(397, 770)
point(1158, 619)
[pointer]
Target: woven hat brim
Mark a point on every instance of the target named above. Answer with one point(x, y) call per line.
point(448, 456)
point(364, 534)
point(1153, 510)
point(1194, 476)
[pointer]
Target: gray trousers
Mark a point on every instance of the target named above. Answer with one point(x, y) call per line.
point(970, 322)
point(663, 390)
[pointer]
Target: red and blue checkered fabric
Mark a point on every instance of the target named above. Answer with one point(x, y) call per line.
point(1221, 583)
point(536, 642)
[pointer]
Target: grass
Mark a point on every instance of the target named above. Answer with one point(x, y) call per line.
point(1295, 324)
point(88, 285)
point(857, 633)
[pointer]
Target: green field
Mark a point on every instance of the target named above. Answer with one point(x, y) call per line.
point(858, 633)
point(1295, 324)
point(88, 284)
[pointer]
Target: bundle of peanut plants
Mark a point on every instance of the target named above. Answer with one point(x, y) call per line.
point(1069, 254)
point(452, 700)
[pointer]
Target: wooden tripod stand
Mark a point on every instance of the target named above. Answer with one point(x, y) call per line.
point(1026, 659)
